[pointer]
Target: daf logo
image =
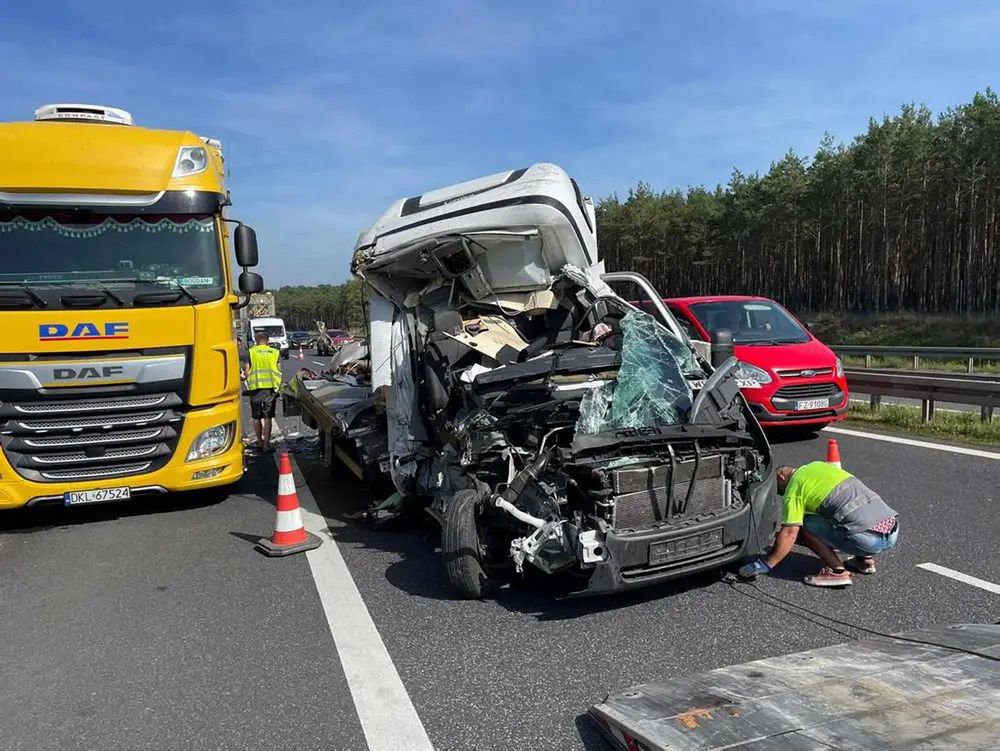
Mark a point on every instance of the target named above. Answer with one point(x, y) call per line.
point(61, 332)
point(74, 374)
point(807, 373)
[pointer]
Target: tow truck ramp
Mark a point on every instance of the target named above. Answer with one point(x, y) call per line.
point(877, 693)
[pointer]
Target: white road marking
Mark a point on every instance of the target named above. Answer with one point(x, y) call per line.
point(919, 444)
point(317, 362)
point(388, 719)
point(959, 576)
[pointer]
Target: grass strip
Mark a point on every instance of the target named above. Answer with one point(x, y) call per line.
point(906, 363)
point(957, 426)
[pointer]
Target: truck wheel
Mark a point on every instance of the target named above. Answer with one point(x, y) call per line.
point(462, 550)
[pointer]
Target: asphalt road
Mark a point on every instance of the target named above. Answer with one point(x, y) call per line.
point(159, 626)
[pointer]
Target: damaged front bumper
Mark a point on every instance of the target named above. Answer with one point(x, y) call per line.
point(634, 559)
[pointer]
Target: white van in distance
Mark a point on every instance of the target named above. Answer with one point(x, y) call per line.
point(277, 337)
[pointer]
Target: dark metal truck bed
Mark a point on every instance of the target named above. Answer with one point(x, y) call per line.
point(875, 693)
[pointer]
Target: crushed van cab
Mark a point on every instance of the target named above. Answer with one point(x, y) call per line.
point(544, 421)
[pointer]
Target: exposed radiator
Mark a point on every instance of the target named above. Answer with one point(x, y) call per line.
point(645, 496)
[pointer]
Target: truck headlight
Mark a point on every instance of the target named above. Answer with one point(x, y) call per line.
point(190, 161)
point(211, 442)
point(839, 369)
point(747, 372)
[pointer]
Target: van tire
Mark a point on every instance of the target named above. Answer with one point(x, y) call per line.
point(462, 549)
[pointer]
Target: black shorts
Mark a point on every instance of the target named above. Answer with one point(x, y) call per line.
point(263, 403)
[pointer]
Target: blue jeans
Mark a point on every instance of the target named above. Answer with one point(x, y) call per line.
point(865, 543)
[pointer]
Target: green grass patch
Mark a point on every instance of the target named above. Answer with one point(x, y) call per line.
point(906, 363)
point(956, 426)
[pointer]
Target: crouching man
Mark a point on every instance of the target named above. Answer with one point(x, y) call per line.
point(827, 509)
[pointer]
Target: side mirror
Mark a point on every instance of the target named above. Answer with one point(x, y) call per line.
point(250, 283)
point(245, 240)
point(722, 346)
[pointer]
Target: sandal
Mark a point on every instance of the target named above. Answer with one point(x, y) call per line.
point(861, 565)
point(827, 577)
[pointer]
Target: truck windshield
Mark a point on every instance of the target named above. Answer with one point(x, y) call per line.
point(273, 332)
point(751, 321)
point(50, 249)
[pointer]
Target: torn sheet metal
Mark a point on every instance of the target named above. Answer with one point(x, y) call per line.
point(589, 278)
point(400, 402)
point(381, 313)
point(349, 353)
point(869, 694)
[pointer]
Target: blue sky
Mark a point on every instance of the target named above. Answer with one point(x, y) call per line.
point(330, 110)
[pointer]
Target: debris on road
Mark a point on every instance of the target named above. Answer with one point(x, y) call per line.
point(933, 686)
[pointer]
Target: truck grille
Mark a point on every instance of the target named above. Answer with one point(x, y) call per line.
point(59, 440)
point(804, 372)
point(134, 402)
point(807, 391)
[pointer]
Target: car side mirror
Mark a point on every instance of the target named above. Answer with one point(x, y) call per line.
point(245, 240)
point(722, 346)
point(250, 283)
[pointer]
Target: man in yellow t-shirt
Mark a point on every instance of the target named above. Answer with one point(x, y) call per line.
point(263, 377)
point(827, 509)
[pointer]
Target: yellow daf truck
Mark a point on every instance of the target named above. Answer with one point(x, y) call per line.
point(119, 373)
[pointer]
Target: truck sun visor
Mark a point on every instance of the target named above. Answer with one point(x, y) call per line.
point(493, 336)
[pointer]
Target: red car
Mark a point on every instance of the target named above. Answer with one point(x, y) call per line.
point(332, 341)
point(788, 376)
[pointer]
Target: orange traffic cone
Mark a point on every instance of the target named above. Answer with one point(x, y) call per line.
point(833, 453)
point(301, 356)
point(289, 534)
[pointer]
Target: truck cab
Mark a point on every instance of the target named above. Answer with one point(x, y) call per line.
point(119, 374)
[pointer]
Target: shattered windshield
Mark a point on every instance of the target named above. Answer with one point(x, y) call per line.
point(650, 388)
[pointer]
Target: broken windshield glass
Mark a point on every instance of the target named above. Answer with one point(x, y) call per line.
point(650, 388)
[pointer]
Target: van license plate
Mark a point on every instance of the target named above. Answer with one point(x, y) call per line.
point(685, 547)
point(812, 404)
point(101, 495)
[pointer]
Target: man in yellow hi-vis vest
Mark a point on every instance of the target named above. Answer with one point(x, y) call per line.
point(263, 377)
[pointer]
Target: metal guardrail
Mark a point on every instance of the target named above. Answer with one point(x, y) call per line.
point(957, 376)
point(958, 388)
point(969, 354)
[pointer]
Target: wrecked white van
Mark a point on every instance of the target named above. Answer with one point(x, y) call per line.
point(542, 419)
